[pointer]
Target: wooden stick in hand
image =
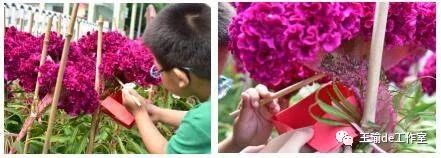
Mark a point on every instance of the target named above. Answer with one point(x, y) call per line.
point(137, 102)
point(283, 92)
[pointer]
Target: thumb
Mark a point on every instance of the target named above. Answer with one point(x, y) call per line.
point(252, 149)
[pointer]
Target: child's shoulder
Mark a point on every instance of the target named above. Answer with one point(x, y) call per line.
point(202, 108)
point(200, 114)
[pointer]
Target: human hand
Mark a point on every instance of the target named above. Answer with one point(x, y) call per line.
point(293, 141)
point(131, 105)
point(252, 149)
point(253, 125)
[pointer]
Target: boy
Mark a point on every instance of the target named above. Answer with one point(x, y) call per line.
point(253, 127)
point(179, 38)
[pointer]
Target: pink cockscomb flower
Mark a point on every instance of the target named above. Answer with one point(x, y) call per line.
point(22, 56)
point(426, 24)
point(401, 70)
point(272, 40)
point(428, 75)
point(408, 23)
point(123, 58)
point(78, 94)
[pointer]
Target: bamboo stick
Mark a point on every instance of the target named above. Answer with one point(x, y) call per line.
point(96, 115)
point(59, 83)
point(35, 100)
point(374, 68)
point(284, 91)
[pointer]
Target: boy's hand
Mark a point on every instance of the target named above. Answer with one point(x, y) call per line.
point(253, 126)
point(153, 112)
point(132, 107)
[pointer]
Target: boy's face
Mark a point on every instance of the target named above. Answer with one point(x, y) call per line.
point(175, 81)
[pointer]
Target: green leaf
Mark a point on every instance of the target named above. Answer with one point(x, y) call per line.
point(346, 104)
point(326, 120)
point(414, 112)
point(342, 108)
point(82, 145)
point(331, 110)
point(121, 145)
point(397, 101)
point(72, 138)
point(136, 147)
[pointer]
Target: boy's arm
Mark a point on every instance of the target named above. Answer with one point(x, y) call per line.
point(151, 137)
point(167, 116)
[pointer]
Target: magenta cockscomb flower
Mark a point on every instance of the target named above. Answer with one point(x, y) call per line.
point(22, 55)
point(131, 63)
point(401, 23)
point(428, 75)
point(78, 94)
point(112, 41)
point(55, 46)
point(123, 58)
point(271, 40)
point(128, 60)
point(426, 24)
point(408, 23)
point(401, 70)
point(48, 77)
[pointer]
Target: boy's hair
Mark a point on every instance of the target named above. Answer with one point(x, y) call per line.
point(179, 36)
point(226, 12)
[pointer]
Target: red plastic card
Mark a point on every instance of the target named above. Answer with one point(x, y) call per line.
point(113, 107)
point(298, 116)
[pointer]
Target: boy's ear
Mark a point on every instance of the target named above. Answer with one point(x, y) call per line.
point(181, 77)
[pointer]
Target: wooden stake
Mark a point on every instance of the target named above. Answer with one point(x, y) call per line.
point(375, 56)
point(96, 115)
point(35, 100)
point(59, 83)
point(284, 91)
